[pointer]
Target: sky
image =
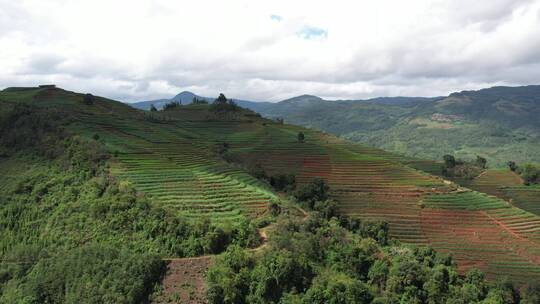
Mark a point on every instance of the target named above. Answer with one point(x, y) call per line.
point(133, 50)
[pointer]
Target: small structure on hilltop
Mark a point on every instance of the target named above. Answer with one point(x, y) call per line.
point(47, 86)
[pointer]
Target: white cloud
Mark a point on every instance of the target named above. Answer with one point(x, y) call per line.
point(269, 50)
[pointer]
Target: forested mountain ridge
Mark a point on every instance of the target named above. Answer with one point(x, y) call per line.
point(499, 123)
point(97, 194)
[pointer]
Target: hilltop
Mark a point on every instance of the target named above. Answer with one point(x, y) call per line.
point(92, 179)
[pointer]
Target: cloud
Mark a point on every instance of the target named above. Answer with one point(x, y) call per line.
point(345, 49)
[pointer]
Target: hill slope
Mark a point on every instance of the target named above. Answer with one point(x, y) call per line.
point(498, 123)
point(193, 163)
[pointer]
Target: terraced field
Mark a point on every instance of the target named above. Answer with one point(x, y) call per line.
point(480, 230)
point(508, 186)
point(172, 161)
point(177, 158)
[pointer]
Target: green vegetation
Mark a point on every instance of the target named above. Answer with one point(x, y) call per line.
point(498, 123)
point(69, 231)
point(458, 169)
point(530, 173)
point(319, 260)
point(121, 189)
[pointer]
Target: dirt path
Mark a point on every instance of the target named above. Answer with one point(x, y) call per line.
point(184, 280)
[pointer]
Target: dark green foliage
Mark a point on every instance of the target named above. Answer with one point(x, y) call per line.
point(376, 230)
point(171, 106)
point(222, 149)
point(283, 182)
point(90, 274)
point(481, 162)
point(512, 165)
point(24, 127)
point(316, 260)
point(301, 137)
point(504, 291)
point(88, 99)
point(199, 101)
point(274, 208)
point(327, 208)
point(449, 161)
point(530, 173)
point(258, 172)
point(221, 99)
point(337, 288)
point(457, 168)
point(317, 190)
point(223, 105)
point(153, 108)
point(531, 293)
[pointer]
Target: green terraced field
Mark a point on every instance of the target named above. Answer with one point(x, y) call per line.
point(174, 158)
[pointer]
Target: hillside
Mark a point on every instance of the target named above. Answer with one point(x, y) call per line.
point(499, 123)
point(183, 184)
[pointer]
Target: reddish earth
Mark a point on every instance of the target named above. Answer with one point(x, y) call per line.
point(184, 281)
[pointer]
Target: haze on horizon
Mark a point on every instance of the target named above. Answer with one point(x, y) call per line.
point(269, 50)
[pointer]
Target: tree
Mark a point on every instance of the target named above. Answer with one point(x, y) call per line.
point(152, 108)
point(199, 101)
point(283, 182)
point(481, 162)
point(301, 137)
point(449, 161)
point(338, 288)
point(512, 165)
point(88, 99)
point(171, 105)
point(531, 293)
point(315, 191)
point(530, 174)
point(221, 99)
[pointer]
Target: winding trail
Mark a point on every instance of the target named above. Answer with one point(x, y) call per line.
point(184, 279)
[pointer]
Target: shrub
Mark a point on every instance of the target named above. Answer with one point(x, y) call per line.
point(481, 162)
point(283, 182)
point(512, 165)
point(449, 161)
point(88, 99)
point(301, 137)
point(530, 174)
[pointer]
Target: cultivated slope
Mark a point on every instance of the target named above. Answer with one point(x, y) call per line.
point(174, 157)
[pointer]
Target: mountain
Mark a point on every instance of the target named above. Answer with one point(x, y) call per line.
point(184, 97)
point(187, 97)
point(499, 123)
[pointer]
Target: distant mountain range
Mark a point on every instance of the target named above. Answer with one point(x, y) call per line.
point(499, 123)
point(187, 97)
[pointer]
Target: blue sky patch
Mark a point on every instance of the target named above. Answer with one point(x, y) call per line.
point(276, 17)
point(312, 32)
